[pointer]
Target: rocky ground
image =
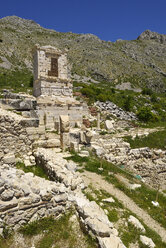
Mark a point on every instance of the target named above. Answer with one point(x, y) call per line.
point(97, 182)
point(101, 202)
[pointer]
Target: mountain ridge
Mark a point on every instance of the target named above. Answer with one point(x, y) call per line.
point(141, 62)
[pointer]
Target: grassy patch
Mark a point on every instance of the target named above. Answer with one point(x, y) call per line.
point(16, 80)
point(129, 234)
point(113, 215)
point(7, 239)
point(93, 164)
point(36, 170)
point(56, 232)
point(153, 140)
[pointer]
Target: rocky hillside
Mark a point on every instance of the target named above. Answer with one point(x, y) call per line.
point(141, 62)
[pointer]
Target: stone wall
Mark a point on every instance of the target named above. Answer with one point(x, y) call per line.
point(42, 62)
point(17, 138)
point(25, 197)
point(148, 163)
point(13, 136)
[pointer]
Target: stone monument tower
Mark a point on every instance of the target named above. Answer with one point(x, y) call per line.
point(53, 89)
point(51, 72)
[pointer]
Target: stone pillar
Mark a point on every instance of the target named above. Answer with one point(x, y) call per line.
point(64, 131)
point(49, 120)
point(98, 120)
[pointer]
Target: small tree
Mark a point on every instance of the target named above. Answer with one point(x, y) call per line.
point(145, 114)
point(127, 105)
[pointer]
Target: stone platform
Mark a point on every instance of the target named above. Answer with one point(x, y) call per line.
point(50, 108)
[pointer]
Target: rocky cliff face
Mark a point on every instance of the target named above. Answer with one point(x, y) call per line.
point(149, 35)
point(141, 62)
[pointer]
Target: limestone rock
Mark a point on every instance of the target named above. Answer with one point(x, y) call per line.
point(64, 123)
point(109, 124)
point(111, 242)
point(7, 195)
point(110, 199)
point(97, 227)
point(136, 223)
point(134, 186)
point(9, 159)
point(147, 241)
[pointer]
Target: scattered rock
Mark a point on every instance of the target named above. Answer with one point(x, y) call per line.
point(109, 124)
point(147, 241)
point(134, 186)
point(136, 223)
point(110, 199)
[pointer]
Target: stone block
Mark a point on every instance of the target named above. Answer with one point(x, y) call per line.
point(97, 227)
point(65, 140)
point(111, 242)
point(19, 104)
point(41, 130)
point(29, 122)
point(9, 159)
point(109, 124)
point(64, 123)
point(74, 146)
point(147, 241)
point(34, 137)
point(51, 143)
point(136, 223)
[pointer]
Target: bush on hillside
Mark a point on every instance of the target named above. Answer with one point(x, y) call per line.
point(146, 115)
point(128, 102)
point(147, 91)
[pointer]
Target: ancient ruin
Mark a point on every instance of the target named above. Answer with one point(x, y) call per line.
point(53, 88)
point(40, 130)
point(51, 76)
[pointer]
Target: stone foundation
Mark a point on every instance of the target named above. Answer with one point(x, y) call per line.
point(25, 198)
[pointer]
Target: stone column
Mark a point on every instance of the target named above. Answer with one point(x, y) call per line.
point(64, 131)
point(98, 120)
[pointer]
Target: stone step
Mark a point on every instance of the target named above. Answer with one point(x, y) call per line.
point(51, 143)
point(52, 135)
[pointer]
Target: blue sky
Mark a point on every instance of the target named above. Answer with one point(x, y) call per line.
point(110, 20)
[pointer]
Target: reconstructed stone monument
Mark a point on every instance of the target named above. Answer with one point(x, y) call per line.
point(51, 72)
point(53, 88)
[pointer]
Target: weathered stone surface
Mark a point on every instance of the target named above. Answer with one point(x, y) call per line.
point(136, 223)
point(64, 123)
point(57, 168)
point(20, 104)
point(97, 227)
point(24, 194)
point(134, 186)
point(113, 109)
point(51, 72)
point(60, 198)
point(99, 151)
point(111, 242)
point(110, 200)
point(109, 124)
point(147, 241)
point(9, 159)
point(7, 195)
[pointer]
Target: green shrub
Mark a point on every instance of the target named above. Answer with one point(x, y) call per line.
point(35, 169)
point(153, 140)
point(16, 80)
point(153, 98)
point(147, 91)
point(146, 115)
point(127, 105)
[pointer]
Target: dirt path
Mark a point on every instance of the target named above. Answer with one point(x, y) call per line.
point(99, 183)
